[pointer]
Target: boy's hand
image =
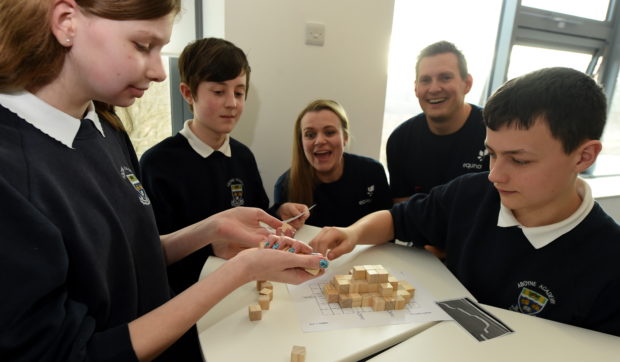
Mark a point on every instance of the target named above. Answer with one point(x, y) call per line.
point(333, 242)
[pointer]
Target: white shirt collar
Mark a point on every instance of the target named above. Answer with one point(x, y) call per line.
point(49, 120)
point(541, 236)
point(200, 147)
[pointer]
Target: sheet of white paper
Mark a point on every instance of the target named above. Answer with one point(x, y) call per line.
point(315, 314)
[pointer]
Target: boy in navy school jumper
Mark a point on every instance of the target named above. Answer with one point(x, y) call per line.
point(532, 239)
point(202, 170)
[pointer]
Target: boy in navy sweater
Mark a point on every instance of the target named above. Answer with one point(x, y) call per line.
point(201, 170)
point(526, 236)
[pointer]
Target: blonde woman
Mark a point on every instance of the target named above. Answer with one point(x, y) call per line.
point(343, 186)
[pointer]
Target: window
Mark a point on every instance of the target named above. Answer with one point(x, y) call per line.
point(525, 59)
point(147, 121)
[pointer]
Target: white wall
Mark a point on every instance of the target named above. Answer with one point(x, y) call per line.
point(287, 74)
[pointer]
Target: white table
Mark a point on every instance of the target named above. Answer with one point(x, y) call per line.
point(535, 339)
point(227, 334)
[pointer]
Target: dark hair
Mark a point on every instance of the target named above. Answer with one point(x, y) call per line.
point(212, 60)
point(572, 104)
point(442, 47)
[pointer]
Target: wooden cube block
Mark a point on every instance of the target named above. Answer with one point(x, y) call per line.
point(267, 292)
point(344, 276)
point(399, 303)
point(386, 289)
point(367, 300)
point(255, 312)
point(405, 284)
point(369, 267)
point(362, 286)
point(392, 280)
point(258, 284)
point(346, 301)
point(330, 293)
point(298, 354)
point(373, 287)
point(390, 303)
point(383, 275)
point(265, 284)
point(263, 301)
point(358, 272)
point(356, 300)
point(340, 277)
point(372, 276)
point(378, 304)
point(286, 228)
point(313, 271)
point(343, 286)
point(404, 294)
point(354, 286)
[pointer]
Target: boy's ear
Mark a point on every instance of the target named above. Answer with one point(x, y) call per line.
point(63, 21)
point(588, 152)
point(186, 92)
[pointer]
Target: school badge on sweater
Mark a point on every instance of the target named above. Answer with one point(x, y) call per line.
point(236, 190)
point(128, 175)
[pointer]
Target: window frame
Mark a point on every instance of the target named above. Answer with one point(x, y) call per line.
point(527, 26)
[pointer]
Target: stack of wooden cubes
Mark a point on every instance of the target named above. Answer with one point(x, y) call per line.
point(369, 286)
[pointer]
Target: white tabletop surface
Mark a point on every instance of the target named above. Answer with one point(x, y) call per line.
point(535, 339)
point(227, 334)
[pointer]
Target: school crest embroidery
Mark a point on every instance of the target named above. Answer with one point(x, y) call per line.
point(531, 302)
point(236, 190)
point(128, 175)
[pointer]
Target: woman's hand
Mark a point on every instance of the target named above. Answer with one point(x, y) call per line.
point(291, 209)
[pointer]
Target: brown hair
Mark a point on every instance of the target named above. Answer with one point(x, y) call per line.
point(442, 47)
point(212, 60)
point(569, 101)
point(31, 55)
point(302, 179)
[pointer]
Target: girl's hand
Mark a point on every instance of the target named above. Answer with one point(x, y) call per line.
point(237, 229)
point(285, 263)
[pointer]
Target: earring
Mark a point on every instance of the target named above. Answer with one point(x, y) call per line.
point(68, 40)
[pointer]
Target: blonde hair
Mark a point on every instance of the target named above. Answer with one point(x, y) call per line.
point(302, 179)
point(31, 55)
